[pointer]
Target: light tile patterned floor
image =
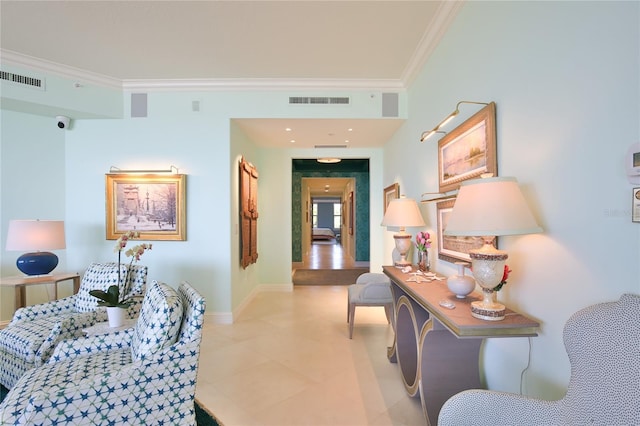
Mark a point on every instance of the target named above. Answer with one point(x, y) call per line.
point(288, 360)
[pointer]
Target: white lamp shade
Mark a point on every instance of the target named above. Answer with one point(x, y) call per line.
point(491, 207)
point(402, 212)
point(35, 235)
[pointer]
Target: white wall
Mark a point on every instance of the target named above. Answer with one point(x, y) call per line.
point(565, 78)
point(32, 180)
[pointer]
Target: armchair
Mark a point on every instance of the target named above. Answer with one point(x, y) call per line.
point(144, 375)
point(34, 331)
point(603, 344)
point(370, 289)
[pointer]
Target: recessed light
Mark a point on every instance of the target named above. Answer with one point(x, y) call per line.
point(288, 129)
point(292, 141)
point(349, 130)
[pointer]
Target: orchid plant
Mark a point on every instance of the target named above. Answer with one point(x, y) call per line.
point(505, 276)
point(423, 241)
point(111, 298)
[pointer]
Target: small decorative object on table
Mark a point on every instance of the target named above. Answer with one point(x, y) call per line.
point(461, 284)
point(423, 242)
point(116, 308)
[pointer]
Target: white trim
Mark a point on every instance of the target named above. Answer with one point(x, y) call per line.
point(443, 18)
point(42, 65)
point(259, 84)
point(228, 317)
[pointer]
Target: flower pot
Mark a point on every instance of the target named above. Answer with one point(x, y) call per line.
point(116, 316)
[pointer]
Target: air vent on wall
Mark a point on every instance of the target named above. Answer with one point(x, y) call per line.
point(296, 100)
point(330, 146)
point(24, 80)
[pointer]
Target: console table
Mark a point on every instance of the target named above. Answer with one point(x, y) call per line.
point(437, 348)
point(20, 282)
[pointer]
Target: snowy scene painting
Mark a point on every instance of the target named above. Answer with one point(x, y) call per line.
point(153, 205)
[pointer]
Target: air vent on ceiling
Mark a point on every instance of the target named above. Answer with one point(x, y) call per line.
point(297, 100)
point(330, 146)
point(24, 80)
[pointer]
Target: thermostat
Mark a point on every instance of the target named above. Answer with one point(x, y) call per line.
point(632, 163)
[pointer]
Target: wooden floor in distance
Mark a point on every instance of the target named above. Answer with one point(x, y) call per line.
point(327, 255)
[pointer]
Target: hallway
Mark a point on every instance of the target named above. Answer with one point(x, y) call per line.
point(327, 255)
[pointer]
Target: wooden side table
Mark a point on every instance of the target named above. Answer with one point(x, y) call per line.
point(19, 283)
point(438, 349)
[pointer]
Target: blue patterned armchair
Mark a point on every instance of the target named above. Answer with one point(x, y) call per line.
point(33, 333)
point(603, 344)
point(144, 375)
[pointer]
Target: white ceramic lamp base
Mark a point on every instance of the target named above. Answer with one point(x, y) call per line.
point(403, 244)
point(488, 269)
point(487, 309)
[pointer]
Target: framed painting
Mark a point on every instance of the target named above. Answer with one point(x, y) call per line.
point(350, 213)
point(152, 204)
point(453, 248)
point(469, 150)
point(390, 192)
point(635, 206)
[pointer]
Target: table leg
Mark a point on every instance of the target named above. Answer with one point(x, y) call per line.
point(21, 297)
point(76, 284)
point(448, 365)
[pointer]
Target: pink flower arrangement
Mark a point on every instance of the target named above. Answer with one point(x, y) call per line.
point(423, 241)
point(505, 276)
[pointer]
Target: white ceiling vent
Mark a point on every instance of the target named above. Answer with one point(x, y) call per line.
point(309, 100)
point(23, 80)
point(330, 146)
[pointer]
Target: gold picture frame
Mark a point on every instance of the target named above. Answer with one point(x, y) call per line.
point(152, 204)
point(469, 150)
point(454, 248)
point(390, 192)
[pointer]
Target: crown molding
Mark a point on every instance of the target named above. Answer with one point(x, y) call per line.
point(65, 71)
point(442, 19)
point(261, 84)
point(44, 66)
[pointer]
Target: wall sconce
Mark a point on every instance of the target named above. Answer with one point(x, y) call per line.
point(448, 118)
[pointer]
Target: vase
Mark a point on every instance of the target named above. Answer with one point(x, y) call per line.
point(116, 316)
point(423, 261)
point(461, 285)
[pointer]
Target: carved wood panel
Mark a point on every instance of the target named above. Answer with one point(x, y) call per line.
point(248, 213)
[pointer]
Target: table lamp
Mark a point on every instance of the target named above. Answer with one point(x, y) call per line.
point(402, 213)
point(36, 236)
point(488, 208)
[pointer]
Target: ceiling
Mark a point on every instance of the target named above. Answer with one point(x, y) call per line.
point(362, 45)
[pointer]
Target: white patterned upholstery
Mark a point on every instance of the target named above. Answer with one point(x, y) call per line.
point(98, 277)
point(370, 289)
point(34, 331)
point(603, 344)
point(96, 381)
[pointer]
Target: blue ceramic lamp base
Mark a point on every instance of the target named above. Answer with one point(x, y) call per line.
point(37, 263)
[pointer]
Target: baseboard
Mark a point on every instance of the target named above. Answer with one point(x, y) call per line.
point(228, 317)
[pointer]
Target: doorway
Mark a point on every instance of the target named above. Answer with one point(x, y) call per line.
point(342, 189)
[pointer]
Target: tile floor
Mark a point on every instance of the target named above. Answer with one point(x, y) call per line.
point(288, 360)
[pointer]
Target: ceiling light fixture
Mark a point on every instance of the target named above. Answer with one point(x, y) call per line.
point(327, 160)
point(426, 135)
